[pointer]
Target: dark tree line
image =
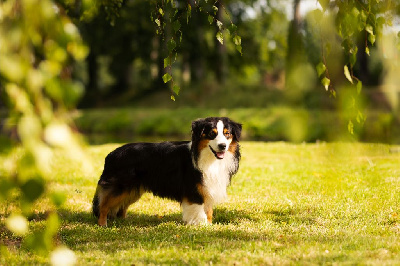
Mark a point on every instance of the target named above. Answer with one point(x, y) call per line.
point(127, 50)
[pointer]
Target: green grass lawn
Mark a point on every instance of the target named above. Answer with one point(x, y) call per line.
point(289, 204)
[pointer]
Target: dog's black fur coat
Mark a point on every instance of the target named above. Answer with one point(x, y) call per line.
point(166, 169)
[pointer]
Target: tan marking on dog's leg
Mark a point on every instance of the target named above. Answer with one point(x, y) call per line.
point(103, 217)
point(209, 212)
point(207, 205)
point(131, 197)
point(109, 202)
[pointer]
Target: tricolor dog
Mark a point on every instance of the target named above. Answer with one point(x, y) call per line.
point(195, 173)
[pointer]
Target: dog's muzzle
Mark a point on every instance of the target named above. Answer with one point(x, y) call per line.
point(218, 154)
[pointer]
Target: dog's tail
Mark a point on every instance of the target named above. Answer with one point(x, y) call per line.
point(96, 202)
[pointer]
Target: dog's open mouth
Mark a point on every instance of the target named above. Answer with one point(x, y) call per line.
point(219, 155)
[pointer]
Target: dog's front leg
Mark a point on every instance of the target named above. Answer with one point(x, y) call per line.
point(193, 213)
point(208, 208)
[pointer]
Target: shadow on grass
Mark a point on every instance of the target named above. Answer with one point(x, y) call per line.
point(80, 231)
point(231, 228)
point(139, 220)
point(290, 215)
point(221, 216)
point(227, 216)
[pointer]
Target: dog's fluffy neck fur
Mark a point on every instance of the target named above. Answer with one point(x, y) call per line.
point(216, 173)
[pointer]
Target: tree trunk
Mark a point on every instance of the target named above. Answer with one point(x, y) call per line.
point(220, 51)
point(91, 97)
point(295, 44)
point(196, 57)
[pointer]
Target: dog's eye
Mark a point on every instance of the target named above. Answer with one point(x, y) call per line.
point(227, 133)
point(212, 134)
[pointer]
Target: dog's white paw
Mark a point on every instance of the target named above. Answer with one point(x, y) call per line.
point(200, 221)
point(193, 214)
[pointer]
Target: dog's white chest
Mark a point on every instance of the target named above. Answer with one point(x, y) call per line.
point(215, 175)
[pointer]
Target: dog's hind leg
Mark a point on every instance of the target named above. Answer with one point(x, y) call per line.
point(95, 202)
point(122, 212)
point(109, 202)
point(132, 197)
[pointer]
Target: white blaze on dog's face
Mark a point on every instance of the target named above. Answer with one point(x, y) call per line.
point(220, 139)
point(215, 138)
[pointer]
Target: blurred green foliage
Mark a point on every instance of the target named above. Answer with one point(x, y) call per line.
point(39, 45)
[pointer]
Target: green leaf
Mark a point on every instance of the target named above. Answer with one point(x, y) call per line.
point(360, 117)
point(167, 61)
point(363, 19)
point(189, 13)
point(58, 198)
point(176, 89)
point(359, 87)
point(161, 11)
point(157, 21)
point(369, 29)
point(220, 37)
point(321, 68)
point(167, 77)
point(219, 24)
point(371, 38)
point(173, 98)
point(210, 19)
point(347, 74)
point(355, 12)
point(232, 28)
point(32, 189)
point(237, 40)
point(239, 48)
point(316, 15)
point(353, 58)
point(350, 127)
point(367, 50)
point(171, 45)
point(176, 25)
point(39, 242)
point(52, 225)
point(5, 188)
point(326, 82)
point(324, 4)
point(215, 9)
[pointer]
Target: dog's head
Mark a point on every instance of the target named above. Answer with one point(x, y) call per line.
point(219, 134)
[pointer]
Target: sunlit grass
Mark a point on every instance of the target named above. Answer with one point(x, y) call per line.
point(289, 204)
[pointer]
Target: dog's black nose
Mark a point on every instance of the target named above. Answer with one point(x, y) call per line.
point(222, 146)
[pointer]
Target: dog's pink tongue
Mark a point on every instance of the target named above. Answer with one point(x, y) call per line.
point(220, 155)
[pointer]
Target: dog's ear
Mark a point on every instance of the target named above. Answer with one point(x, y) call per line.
point(198, 128)
point(236, 130)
